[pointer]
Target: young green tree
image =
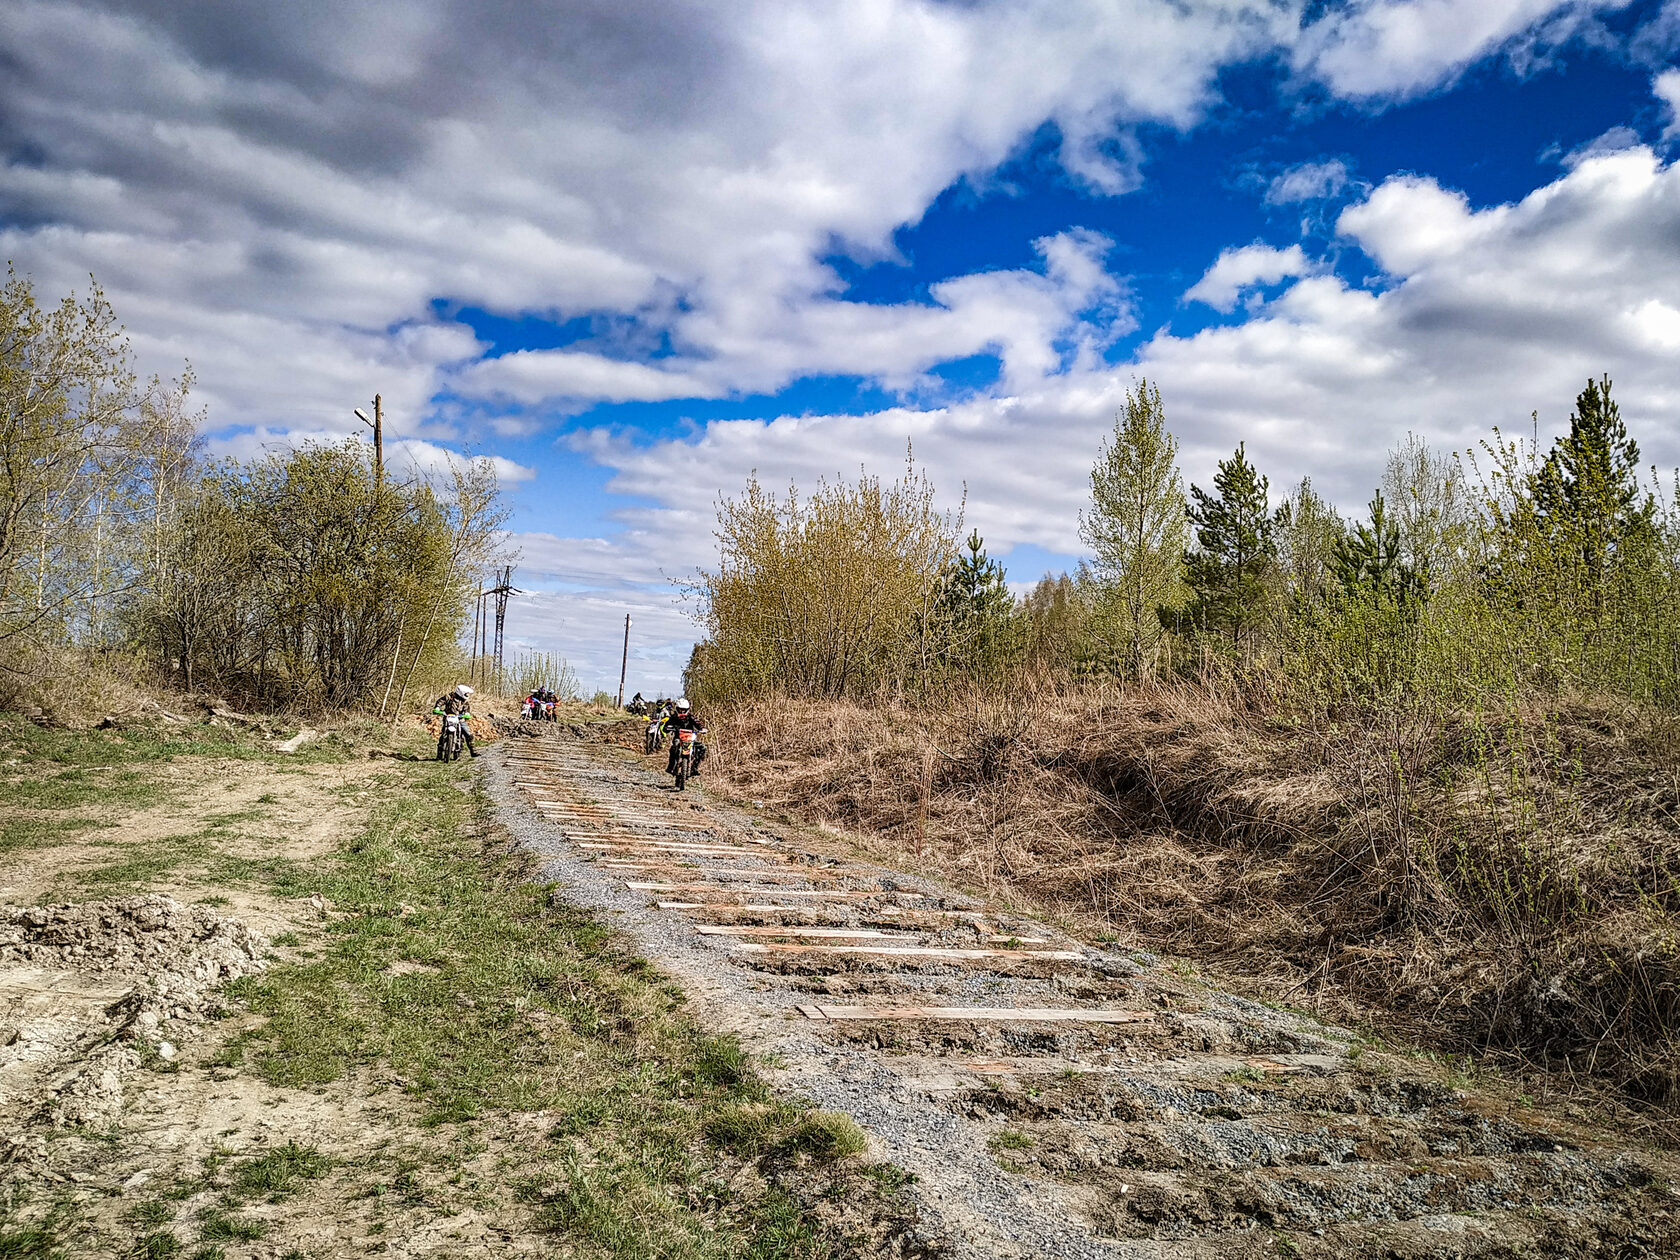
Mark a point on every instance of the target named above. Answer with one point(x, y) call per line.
point(1370, 567)
point(1236, 550)
point(1424, 492)
point(1136, 525)
point(1587, 499)
point(977, 613)
point(66, 391)
point(1056, 624)
point(1308, 529)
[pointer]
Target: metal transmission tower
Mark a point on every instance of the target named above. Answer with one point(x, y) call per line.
point(487, 648)
point(503, 588)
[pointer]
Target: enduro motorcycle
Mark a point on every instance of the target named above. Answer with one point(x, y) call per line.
point(548, 711)
point(654, 739)
point(685, 756)
point(454, 739)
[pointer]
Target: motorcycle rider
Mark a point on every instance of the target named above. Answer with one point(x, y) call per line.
point(684, 719)
point(455, 702)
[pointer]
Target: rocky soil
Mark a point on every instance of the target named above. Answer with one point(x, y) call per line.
point(1053, 1097)
point(87, 991)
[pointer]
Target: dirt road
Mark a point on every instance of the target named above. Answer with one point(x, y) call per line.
point(1053, 1098)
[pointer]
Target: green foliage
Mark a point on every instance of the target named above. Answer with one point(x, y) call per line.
point(300, 578)
point(297, 579)
point(1137, 529)
point(1308, 531)
point(976, 615)
point(531, 670)
point(1235, 554)
point(1057, 624)
point(1369, 566)
point(831, 595)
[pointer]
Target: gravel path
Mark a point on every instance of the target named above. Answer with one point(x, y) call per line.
point(1204, 1125)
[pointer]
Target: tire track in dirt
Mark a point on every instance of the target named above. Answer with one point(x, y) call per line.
point(1055, 1099)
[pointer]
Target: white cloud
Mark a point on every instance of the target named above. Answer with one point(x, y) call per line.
point(1310, 181)
point(1238, 269)
point(1482, 317)
point(1397, 48)
point(1667, 88)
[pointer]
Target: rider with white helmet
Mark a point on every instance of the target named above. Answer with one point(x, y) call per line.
point(684, 719)
point(456, 702)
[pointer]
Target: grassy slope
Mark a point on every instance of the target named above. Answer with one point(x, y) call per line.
point(1479, 882)
point(443, 966)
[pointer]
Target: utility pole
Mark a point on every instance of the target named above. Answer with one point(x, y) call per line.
point(377, 424)
point(624, 667)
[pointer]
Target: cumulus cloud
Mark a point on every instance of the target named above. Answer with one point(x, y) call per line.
point(1397, 48)
point(1237, 270)
point(1667, 88)
point(281, 184)
point(1310, 181)
point(1482, 317)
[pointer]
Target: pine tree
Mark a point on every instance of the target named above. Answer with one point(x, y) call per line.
point(1586, 495)
point(978, 611)
point(1136, 525)
point(1369, 564)
point(1236, 549)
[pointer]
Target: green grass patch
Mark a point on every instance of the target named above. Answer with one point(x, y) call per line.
point(280, 1172)
point(216, 1224)
point(454, 974)
point(29, 1243)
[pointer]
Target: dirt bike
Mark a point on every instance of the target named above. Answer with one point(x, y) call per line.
point(654, 739)
point(547, 714)
point(454, 739)
point(685, 756)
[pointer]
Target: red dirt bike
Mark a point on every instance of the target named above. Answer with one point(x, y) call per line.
point(685, 756)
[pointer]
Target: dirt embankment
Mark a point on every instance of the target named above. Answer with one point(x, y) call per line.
point(1486, 882)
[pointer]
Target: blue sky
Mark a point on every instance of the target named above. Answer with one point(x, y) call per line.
point(636, 250)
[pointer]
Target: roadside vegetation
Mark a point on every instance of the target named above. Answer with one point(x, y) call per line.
point(490, 1054)
point(1417, 768)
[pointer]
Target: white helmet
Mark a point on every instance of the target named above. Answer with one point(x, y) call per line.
point(682, 702)
point(462, 690)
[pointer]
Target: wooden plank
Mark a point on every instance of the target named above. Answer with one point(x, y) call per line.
point(860, 934)
point(835, 894)
point(1011, 1014)
point(919, 951)
point(713, 905)
point(670, 846)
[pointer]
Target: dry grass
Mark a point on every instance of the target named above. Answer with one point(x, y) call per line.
point(1500, 881)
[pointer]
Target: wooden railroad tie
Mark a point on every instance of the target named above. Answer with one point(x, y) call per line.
point(919, 951)
point(837, 933)
point(1022, 1014)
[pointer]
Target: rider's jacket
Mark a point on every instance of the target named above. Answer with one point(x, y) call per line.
point(685, 722)
point(450, 703)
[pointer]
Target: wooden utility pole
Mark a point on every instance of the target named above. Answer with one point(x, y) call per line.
point(377, 424)
point(378, 443)
point(624, 667)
